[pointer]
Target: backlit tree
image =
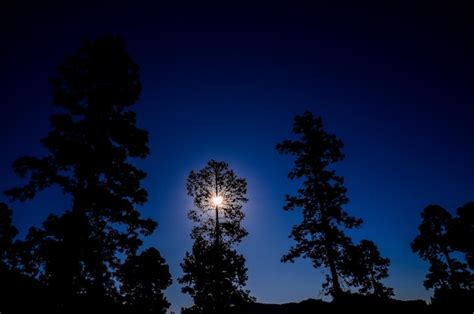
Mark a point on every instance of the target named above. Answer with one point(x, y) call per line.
point(214, 273)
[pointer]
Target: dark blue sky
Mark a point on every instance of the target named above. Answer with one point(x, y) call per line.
point(394, 83)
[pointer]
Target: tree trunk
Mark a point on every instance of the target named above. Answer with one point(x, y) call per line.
point(331, 258)
point(217, 272)
point(334, 276)
point(452, 271)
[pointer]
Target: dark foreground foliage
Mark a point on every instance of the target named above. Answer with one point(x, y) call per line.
point(22, 294)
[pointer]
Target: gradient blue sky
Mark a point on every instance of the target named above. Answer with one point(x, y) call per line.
point(224, 82)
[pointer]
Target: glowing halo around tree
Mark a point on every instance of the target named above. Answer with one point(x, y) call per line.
point(214, 272)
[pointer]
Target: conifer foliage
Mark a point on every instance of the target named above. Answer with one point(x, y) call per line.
point(214, 272)
point(321, 236)
point(90, 152)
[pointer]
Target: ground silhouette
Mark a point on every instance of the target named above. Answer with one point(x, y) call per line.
point(352, 303)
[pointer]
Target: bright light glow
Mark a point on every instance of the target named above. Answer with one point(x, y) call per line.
point(217, 200)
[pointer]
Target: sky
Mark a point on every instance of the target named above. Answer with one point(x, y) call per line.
point(224, 81)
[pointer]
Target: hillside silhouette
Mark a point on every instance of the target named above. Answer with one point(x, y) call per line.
point(352, 303)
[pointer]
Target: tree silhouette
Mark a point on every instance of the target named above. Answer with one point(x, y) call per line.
point(320, 236)
point(18, 293)
point(7, 234)
point(143, 278)
point(57, 254)
point(90, 148)
point(463, 232)
point(367, 267)
point(434, 244)
point(214, 273)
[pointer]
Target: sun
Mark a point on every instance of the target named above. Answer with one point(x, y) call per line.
point(217, 200)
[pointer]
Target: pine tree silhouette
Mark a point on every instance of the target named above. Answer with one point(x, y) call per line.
point(214, 273)
point(90, 151)
point(321, 234)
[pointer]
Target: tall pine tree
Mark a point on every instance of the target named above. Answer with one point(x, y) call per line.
point(90, 149)
point(320, 236)
point(214, 273)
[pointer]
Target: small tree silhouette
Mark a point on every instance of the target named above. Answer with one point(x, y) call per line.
point(366, 268)
point(54, 253)
point(463, 232)
point(143, 278)
point(214, 273)
point(434, 244)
